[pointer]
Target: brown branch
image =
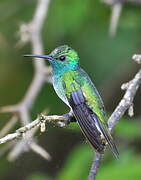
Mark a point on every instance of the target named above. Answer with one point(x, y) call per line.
point(31, 32)
point(125, 103)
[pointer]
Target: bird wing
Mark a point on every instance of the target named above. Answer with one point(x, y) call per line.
point(86, 119)
point(87, 112)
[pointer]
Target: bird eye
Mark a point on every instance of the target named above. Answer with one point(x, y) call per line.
point(62, 58)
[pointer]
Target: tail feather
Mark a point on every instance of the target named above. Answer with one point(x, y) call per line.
point(109, 139)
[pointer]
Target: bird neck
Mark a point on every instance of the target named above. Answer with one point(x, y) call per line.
point(59, 71)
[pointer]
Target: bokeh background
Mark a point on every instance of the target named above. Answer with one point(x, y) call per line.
point(84, 26)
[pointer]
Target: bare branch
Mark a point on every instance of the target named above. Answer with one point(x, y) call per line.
point(95, 166)
point(125, 103)
point(39, 150)
point(21, 132)
point(31, 32)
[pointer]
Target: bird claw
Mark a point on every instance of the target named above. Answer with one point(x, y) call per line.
point(69, 118)
point(61, 123)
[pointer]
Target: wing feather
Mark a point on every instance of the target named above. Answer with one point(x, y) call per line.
point(84, 118)
point(90, 124)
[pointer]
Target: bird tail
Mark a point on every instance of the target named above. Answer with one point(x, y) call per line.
point(109, 138)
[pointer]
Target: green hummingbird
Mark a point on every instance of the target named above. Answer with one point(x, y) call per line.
point(73, 85)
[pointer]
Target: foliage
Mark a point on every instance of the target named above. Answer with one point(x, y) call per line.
point(38, 177)
point(77, 164)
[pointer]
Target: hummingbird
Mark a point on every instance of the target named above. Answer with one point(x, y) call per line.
point(75, 88)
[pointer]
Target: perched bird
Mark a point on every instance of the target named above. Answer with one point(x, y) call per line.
point(75, 88)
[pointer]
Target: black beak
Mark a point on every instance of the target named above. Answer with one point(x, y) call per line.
point(39, 56)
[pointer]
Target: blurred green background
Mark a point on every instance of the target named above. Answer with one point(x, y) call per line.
point(84, 26)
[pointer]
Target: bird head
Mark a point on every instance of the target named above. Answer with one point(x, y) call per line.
point(62, 58)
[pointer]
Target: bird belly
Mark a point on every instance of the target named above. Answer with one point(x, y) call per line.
point(58, 87)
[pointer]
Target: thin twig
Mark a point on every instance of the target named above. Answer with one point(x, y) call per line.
point(116, 12)
point(8, 126)
point(125, 103)
point(117, 6)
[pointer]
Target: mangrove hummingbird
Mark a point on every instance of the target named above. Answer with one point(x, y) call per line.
point(75, 88)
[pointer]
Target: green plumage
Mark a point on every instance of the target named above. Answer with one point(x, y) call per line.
point(75, 88)
point(75, 79)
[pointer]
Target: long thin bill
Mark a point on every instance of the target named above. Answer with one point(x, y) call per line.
point(38, 56)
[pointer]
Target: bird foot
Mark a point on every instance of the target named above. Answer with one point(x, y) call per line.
point(69, 118)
